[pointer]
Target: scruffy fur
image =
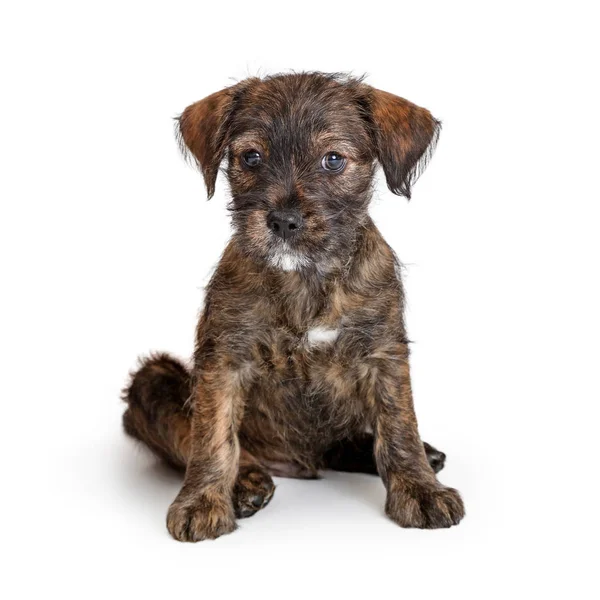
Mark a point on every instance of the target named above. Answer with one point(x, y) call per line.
point(301, 360)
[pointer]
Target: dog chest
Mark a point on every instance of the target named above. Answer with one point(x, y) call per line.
point(321, 335)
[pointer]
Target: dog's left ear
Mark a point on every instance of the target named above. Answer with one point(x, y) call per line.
point(203, 130)
point(405, 137)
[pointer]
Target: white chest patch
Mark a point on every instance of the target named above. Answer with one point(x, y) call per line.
point(321, 335)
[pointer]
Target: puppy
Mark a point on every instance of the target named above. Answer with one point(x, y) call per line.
point(301, 360)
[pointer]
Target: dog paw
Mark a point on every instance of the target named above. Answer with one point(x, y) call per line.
point(435, 457)
point(200, 519)
point(425, 506)
point(253, 490)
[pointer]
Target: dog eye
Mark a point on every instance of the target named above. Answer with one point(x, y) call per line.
point(252, 158)
point(333, 161)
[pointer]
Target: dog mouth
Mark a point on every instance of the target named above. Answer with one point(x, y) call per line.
point(286, 258)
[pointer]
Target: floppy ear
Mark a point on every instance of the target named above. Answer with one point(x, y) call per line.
point(203, 129)
point(405, 137)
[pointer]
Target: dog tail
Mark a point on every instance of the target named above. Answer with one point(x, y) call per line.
point(158, 412)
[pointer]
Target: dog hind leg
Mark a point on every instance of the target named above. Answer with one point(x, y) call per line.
point(355, 455)
point(159, 416)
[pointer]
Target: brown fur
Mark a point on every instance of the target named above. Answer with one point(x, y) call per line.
point(262, 399)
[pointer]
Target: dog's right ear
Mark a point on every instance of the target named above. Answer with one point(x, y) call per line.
point(203, 130)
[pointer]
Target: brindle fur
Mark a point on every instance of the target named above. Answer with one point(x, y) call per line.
point(260, 399)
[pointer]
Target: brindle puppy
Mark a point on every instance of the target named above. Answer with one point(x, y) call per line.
point(301, 350)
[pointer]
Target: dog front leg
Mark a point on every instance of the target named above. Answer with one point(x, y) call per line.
point(203, 508)
point(414, 496)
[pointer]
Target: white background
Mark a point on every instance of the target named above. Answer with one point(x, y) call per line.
point(107, 242)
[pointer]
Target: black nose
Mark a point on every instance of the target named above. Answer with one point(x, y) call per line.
point(284, 223)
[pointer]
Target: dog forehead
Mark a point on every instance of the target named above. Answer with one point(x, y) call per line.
point(298, 104)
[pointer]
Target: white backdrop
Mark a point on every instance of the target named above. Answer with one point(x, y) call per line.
point(107, 241)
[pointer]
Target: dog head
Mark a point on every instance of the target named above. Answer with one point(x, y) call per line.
point(301, 153)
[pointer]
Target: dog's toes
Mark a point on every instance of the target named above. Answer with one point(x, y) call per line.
point(436, 458)
point(437, 462)
point(425, 506)
point(257, 501)
point(201, 518)
point(253, 490)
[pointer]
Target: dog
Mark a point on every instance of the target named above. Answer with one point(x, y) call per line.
point(301, 359)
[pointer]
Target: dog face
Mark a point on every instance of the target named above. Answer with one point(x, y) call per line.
point(301, 153)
